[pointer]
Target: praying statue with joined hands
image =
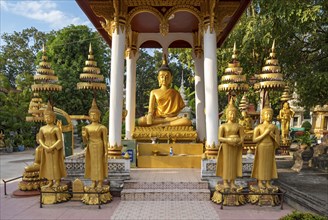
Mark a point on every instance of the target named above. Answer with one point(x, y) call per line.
point(267, 137)
point(52, 165)
point(165, 103)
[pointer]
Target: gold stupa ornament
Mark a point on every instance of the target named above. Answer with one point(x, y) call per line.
point(243, 105)
point(45, 79)
point(271, 77)
point(91, 77)
point(233, 80)
point(36, 114)
point(285, 94)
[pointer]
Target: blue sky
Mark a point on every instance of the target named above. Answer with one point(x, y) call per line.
point(44, 15)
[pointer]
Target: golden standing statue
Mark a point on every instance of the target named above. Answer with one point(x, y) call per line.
point(95, 138)
point(165, 103)
point(52, 165)
point(231, 136)
point(267, 137)
point(285, 114)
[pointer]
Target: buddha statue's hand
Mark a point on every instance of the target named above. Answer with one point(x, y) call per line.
point(149, 118)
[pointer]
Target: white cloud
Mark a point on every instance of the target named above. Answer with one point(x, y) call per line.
point(44, 11)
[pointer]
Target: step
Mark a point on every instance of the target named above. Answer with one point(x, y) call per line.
point(165, 185)
point(165, 195)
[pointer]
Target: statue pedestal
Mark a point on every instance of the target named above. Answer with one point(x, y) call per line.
point(118, 171)
point(158, 155)
point(222, 195)
point(96, 196)
point(31, 181)
point(53, 195)
point(264, 197)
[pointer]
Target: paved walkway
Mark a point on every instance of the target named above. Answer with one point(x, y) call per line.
point(12, 165)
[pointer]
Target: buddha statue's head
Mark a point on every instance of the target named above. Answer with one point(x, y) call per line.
point(286, 105)
point(267, 112)
point(48, 114)
point(94, 112)
point(231, 111)
point(164, 74)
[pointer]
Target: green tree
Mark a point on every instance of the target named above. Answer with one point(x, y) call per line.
point(18, 53)
point(68, 50)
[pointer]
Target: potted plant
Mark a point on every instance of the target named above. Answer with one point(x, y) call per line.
point(306, 142)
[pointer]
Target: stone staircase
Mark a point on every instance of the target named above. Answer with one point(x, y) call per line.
point(165, 191)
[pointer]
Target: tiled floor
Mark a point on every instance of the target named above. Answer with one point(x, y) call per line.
point(28, 207)
point(165, 210)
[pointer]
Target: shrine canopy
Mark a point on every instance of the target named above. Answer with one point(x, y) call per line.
point(182, 18)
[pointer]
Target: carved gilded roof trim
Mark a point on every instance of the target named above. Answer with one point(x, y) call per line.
point(132, 40)
point(188, 8)
point(143, 9)
point(163, 3)
point(198, 47)
point(209, 21)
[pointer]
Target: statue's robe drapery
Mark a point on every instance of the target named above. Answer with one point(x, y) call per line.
point(95, 160)
point(169, 104)
point(264, 166)
point(229, 162)
point(52, 165)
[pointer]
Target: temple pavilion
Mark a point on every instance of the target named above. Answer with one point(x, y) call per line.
point(127, 25)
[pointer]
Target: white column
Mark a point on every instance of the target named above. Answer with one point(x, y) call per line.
point(131, 64)
point(211, 90)
point(200, 97)
point(116, 87)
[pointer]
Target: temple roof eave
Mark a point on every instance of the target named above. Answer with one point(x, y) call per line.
point(223, 30)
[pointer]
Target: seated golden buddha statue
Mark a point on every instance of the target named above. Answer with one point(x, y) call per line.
point(165, 103)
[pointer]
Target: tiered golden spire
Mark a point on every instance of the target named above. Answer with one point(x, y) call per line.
point(233, 80)
point(45, 79)
point(243, 105)
point(34, 109)
point(91, 77)
point(271, 77)
point(285, 94)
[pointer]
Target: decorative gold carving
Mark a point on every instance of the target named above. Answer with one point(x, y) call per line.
point(177, 133)
point(164, 27)
point(132, 40)
point(208, 9)
point(77, 187)
point(271, 76)
point(198, 49)
point(52, 195)
point(233, 80)
point(91, 78)
point(168, 3)
point(223, 13)
point(115, 152)
point(267, 199)
point(221, 194)
point(92, 197)
point(211, 150)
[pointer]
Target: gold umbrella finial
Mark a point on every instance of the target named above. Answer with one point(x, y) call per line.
point(43, 48)
point(234, 55)
point(273, 45)
point(90, 49)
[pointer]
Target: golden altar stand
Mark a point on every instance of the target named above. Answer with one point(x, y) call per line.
point(185, 155)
